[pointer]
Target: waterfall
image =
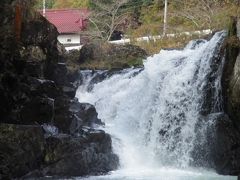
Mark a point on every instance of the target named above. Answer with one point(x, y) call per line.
point(153, 114)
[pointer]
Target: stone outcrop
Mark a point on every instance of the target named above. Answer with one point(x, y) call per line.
point(225, 146)
point(21, 149)
point(231, 83)
point(88, 154)
point(44, 130)
point(227, 142)
point(77, 115)
point(106, 56)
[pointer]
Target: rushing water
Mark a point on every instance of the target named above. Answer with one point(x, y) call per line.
point(153, 114)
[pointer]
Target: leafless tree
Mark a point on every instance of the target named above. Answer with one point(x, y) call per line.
point(201, 13)
point(106, 17)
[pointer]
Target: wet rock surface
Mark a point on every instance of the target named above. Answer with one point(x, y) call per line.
point(44, 130)
point(228, 129)
point(219, 150)
point(230, 81)
point(226, 146)
point(87, 154)
point(77, 115)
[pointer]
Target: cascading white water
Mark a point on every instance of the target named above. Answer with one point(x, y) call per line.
point(152, 116)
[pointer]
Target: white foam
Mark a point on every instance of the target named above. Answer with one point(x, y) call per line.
point(152, 116)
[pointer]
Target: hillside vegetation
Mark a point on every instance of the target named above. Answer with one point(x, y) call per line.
point(137, 18)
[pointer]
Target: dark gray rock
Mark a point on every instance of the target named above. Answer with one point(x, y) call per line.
point(70, 91)
point(40, 110)
point(228, 129)
point(35, 174)
point(89, 154)
point(57, 73)
point(36, 87)
point(217, 144)
point(39, 32)
point(64, 118)
point(21, 149)
point(41, 87)
point(34, 69)
point(70, 115)
point(225, 146)
point(231, 73)
point(86, 112)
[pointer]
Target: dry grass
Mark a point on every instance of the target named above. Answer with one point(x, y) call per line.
point(153, 47)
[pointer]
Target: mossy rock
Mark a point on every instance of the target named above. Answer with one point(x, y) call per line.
point(110, 56)
point(21, 149)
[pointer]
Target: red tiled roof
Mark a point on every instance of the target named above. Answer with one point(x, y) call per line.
point(68, 20)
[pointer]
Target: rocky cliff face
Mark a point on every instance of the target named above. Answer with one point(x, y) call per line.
point(226, 146)
point(232, 73)
point(44, 130)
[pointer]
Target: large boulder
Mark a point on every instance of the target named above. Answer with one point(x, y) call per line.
point(88, 154)
point(63, 77)
point(225, 145)
point(21, 149)
point(25, 152)
point(217, 144)
point(39, 32)
point(70, 115)
point(106, 56)
point(86, 112)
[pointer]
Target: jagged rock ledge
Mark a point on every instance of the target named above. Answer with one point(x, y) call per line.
point(44, 130)
point(226, 142)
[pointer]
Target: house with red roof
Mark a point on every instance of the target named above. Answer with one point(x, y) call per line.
point(70, 24)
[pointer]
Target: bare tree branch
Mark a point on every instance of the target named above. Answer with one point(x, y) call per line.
point(106, 17)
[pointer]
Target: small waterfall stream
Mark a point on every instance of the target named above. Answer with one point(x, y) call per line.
point(153, 115)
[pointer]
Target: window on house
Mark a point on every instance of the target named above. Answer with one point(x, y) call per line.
point(69, 40)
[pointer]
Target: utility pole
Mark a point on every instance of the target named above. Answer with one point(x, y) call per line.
point(165, 18)
point(44, 8)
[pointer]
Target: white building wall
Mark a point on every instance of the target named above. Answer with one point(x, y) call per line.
point(69, 39)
